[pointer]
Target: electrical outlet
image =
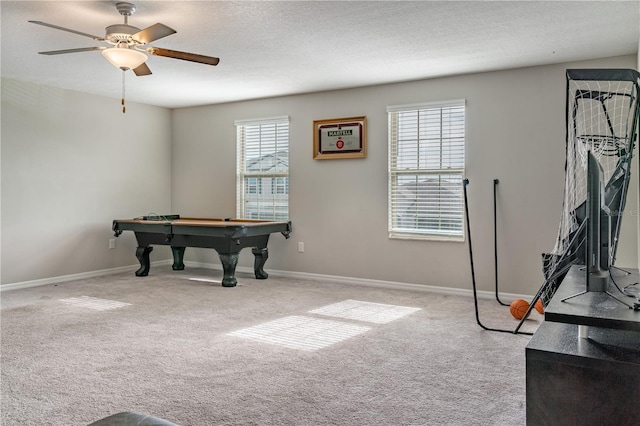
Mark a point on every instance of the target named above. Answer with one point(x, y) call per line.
point(112, 243)
point(300, 247)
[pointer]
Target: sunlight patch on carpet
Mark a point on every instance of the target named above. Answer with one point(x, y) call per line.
point(205, 280)
point(94, 303)
point(298, 332)
point(365, 311)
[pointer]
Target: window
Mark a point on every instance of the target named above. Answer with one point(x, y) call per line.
point(426, 168)
point(280, 186)
point(253, 185)
point(263, 169)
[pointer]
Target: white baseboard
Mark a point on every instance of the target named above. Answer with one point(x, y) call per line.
point(285, 274)
point(369, 282)
point(80, 276)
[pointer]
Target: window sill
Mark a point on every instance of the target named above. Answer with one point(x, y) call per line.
point(430, 237)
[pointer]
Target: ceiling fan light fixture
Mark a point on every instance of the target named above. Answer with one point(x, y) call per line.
point(124, 57)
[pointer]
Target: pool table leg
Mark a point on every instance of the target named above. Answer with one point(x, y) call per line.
point(178, 258)
point(229, 262)
point(142, 253)
point(261, 255)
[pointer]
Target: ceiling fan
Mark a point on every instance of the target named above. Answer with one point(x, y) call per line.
point(129, 44)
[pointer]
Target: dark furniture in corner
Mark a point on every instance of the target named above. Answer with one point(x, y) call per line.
point(573, 380)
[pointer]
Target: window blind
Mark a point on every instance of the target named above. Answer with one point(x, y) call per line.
point(426, 168)
point(263, 169)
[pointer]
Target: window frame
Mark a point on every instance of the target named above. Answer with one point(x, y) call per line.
point(395, 231)
point(261, 189)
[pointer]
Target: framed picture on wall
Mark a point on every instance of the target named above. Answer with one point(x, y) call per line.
point(340, 138)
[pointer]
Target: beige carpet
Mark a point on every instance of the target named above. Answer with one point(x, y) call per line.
point(267, 352)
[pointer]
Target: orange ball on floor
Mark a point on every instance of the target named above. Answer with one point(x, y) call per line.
point(539, 307)
point(518, 308)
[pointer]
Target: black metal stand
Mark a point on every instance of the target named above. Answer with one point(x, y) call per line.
point(551, 279)
point(555, 275)
point(605, 292)
point(495, 240)
point(473, 273)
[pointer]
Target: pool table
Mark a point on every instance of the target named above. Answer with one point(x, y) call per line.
point(226, 236)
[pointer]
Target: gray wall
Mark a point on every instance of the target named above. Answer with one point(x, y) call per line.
point(515, 132)
point(71, 163)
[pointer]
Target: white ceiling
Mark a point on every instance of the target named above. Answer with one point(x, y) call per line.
point(272, 48)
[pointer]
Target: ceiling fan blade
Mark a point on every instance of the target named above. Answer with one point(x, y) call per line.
point(80, 49)
point(67, 30)
point(158, 51)
point(141, 70)
point(154, 32)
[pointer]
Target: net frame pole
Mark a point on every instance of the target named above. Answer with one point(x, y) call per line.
point(555, 274)
point(465, 182)
point(495, 241)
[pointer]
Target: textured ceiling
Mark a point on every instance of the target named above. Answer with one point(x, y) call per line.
point(272, 48)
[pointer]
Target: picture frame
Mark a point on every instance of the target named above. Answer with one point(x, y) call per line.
point(340, 138)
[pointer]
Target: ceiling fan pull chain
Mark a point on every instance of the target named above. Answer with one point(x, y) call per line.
point(123, 107)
